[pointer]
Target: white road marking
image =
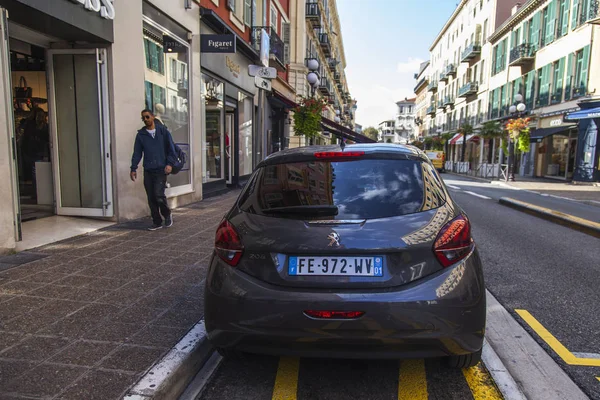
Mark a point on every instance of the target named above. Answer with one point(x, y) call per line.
point(478, 195)
point(453, 187)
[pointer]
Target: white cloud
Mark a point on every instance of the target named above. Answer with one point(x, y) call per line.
point(410, 67)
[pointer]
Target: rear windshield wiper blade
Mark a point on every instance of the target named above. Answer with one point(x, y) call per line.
point(310, 210)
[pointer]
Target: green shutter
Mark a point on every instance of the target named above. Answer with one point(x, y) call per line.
point(550, 22)
point(535, 30)
point(585, 11)
point(575, 14)
point(582, 80)
point(495, 99)
point(545, 85)
point(517, 84)
point(504, 52)
point(569, 79)
point(530, 89)
point(558, 81)
point(564, 17)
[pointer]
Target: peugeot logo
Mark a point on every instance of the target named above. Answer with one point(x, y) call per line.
point(334, 239)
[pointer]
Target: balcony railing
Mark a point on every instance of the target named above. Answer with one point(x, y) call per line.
point(450, 70)
point(431, 109)
point(592, 14)
point(522, 54)
point(420, 84)
point(325, 87)
point(471, 52)
point(432, 87)
point(333, 64)
point(325, 43)
point(313, 14)
point(276, 45)
point(448, 101)
point(337, 77)
point(443, 77)
point(468, 90)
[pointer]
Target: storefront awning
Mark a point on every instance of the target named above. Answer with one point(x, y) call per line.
point(583, 114)
point(329, 125)
point(455, 138)
point(545, 132)
point(470, 138)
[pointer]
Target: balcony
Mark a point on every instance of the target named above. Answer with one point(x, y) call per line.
point(521, 55)
point(431, 110)
point(313, 14)
point(325, 87)
point(471, 52)
point(443, 77)
point(333, 64)
point(276, 46)
point(421, 83)
point(432, 87)
point(469, 89)
point(450, 70)
point(448, 101)
point(337, 77)
point(325, 43)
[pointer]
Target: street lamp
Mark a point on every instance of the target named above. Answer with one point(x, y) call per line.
point(312, 77)
point(516, 110)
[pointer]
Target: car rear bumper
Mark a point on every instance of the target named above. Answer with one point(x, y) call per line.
point(439, 315)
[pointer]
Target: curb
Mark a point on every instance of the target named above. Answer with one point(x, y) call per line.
point(499, 373)
point(475, 178)
point(583, 225)
point(170, 376)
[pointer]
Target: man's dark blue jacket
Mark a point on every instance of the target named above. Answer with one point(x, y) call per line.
point(158, 151)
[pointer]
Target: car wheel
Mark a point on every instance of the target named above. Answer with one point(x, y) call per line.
point(465, 360)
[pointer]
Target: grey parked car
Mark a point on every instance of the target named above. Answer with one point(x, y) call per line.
point(355, 252)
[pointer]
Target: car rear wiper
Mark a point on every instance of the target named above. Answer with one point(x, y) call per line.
point(309, 210)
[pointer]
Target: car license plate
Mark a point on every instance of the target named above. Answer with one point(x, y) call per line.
point(336, 266)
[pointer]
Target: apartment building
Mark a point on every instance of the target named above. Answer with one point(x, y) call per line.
point(317, 35)
point(387, 132)
point(404, 128)
point(422, 99)
point(460, 63)
point(544, 53)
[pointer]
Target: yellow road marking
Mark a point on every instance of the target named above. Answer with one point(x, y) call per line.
point(554, 344)
point(598, 377)
point(481, 383)
point(286, 382)
point(412, 384)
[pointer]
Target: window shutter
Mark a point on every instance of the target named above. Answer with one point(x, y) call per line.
point(286, 33)
point(545, 85)
point(535, 30)
point(559, 81)
point(478, 40)
point(582, 79)
point(569, 78)
point(517, 88)
point(231, 5)
point(564, 17)
point(550, 23)
point(575, 14)
point(248, 12)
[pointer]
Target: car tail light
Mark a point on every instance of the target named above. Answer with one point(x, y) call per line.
point(228, 244)
point(454, 241)
point(334, 314)
point(339, 154)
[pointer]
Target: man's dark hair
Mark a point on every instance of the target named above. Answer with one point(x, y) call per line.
point(145, 110)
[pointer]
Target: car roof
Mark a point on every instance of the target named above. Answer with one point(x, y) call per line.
point(307, 152)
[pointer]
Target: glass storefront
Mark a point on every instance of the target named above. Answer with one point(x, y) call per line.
point(166, 84)
point(246, 107)
point(213, 109)
point(560, 150)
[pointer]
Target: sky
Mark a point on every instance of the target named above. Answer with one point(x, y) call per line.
point(385, 41)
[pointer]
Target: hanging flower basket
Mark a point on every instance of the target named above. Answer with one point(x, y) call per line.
point(518, 130)
point(307, 117)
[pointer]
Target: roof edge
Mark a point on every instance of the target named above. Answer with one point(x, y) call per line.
point(459, 8)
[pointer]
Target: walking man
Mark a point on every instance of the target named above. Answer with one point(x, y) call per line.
point(154, 141)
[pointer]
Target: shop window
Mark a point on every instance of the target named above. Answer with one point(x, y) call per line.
point(167, 92)
point(213, 113)
point(245, 107)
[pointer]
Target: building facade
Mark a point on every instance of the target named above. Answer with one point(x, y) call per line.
point(76, 76)
point(544, 53)
point(422, 100)
point(405, 127)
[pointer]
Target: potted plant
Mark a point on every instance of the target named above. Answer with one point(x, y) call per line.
point(518, 131)
point(307, 117)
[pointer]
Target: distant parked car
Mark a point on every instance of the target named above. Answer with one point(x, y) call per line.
point(355, 252)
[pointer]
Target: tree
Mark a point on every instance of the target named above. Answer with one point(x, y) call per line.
point(491, 130)
point(371, 132)
point(465, 130)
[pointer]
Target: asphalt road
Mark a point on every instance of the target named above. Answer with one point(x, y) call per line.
point(549, 270)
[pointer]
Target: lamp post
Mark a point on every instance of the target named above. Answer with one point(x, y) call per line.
point(312, 77)
point(516, 110)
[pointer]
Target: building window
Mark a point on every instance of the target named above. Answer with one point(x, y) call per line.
point(168, 95)
point(213, 115)
point(544, 85)
point(582, 63)
point(274, 19)
point(499, 56)
point(558, 72)
point(248, 12)
point(563, 19)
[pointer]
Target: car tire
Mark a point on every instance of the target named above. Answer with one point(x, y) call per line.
point(465, 360)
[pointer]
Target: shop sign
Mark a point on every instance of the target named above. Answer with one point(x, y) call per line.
point(233, 67)
point(105, 8)
point(217, 43)
point(556, 122)
point(173, 46)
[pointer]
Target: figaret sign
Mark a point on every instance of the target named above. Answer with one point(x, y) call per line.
point(105, 8)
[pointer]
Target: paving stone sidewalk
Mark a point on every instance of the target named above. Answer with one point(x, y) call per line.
point(93, 315)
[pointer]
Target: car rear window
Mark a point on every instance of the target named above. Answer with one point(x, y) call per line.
point(360, 189)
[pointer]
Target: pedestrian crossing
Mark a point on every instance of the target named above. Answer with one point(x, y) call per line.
point(287, 378)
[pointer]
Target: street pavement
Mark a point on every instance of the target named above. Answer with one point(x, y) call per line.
point(92, 314)
point(546, 269)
